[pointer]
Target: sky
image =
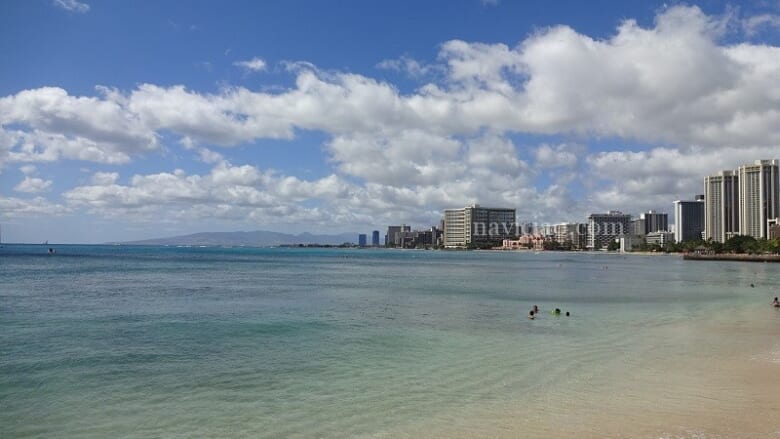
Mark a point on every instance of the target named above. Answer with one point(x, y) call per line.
point(133, 120)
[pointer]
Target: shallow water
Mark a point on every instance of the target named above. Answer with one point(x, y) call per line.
point(100, 341)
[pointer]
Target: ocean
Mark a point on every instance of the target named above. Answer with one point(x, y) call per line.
point(167, 342)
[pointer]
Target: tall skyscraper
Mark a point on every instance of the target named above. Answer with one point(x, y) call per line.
point(362, 240)
point(375, 238)
point(689, 219)
point(475, 225)
point(654, 222)
point(759, 197)
point(721, 206)
point(606, 227)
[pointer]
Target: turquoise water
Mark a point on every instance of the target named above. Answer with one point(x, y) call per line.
point(99, 341)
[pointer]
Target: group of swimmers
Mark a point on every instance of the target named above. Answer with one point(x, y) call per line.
point(535, 312)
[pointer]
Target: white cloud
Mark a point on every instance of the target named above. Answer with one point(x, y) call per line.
point(54, 125)
point(105, 178)
point(208, 156)
point(230, 189)
point(755, 24)
point(558, 156)
point(72, 5)
point(410, 66)
point(447, 143)
point(253, 65)
point(23, 208)
point(634, 85)
point(652, 179)
point(33, 185)
point(27, 169)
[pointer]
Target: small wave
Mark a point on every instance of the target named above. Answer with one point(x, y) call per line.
point(771, 356)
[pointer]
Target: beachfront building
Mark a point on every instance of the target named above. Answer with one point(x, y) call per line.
point(653, 221)
point(392, 238)
point(638, 227)
point(759, 196)
point(662, 239)
point(604, 228)
point(689, 219)
point(476, 225)
point(773, 228)
point(375, 238)
point(570, 235)
point(525, 242)
point(721, 206)
point(629, 243)
point(362, 241)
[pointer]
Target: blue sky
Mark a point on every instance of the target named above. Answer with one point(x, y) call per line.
point(129, 120)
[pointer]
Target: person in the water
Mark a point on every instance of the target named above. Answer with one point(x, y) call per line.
point(557, 311)
point(531, 315)
point(776, 303)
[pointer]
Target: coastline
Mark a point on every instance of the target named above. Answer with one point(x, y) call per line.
point(739, 257)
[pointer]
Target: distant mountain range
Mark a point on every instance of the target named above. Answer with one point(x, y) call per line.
point(257, 238)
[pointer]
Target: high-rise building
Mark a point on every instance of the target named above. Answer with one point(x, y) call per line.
point(362, 240)
point(375, 238)
point(759, 196)
point(654, 222)
point(721, 206)
point(604, 228)
point(689, 219)
point(393, 232)
point(570, 234)
point(637, 227)
point(478, 225)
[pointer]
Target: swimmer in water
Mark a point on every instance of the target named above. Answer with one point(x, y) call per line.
point(536, 309)
point(531, 315)
point(567, 313)
point(776, 303)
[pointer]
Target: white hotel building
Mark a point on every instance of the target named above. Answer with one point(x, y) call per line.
point(721, 206)
point(759, 189)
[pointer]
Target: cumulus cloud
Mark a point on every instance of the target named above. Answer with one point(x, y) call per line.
point(11, 207)
point(636, 85)
point(72, 5)
point(104, 178)
point(252, 65)
point(446, 143)
point(232, 190)
point(642, 180)
point(33, 185)
point(558, 156)
point(47, 124)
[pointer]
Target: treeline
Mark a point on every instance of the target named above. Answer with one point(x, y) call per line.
point(735, 244)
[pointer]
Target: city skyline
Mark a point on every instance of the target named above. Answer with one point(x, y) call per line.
point(131, 121)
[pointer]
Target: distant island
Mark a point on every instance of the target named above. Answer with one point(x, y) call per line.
point(257, 238)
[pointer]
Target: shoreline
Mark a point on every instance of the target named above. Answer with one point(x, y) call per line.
point(740, 257)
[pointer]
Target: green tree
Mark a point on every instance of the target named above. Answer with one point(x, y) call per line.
point(741, 244)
